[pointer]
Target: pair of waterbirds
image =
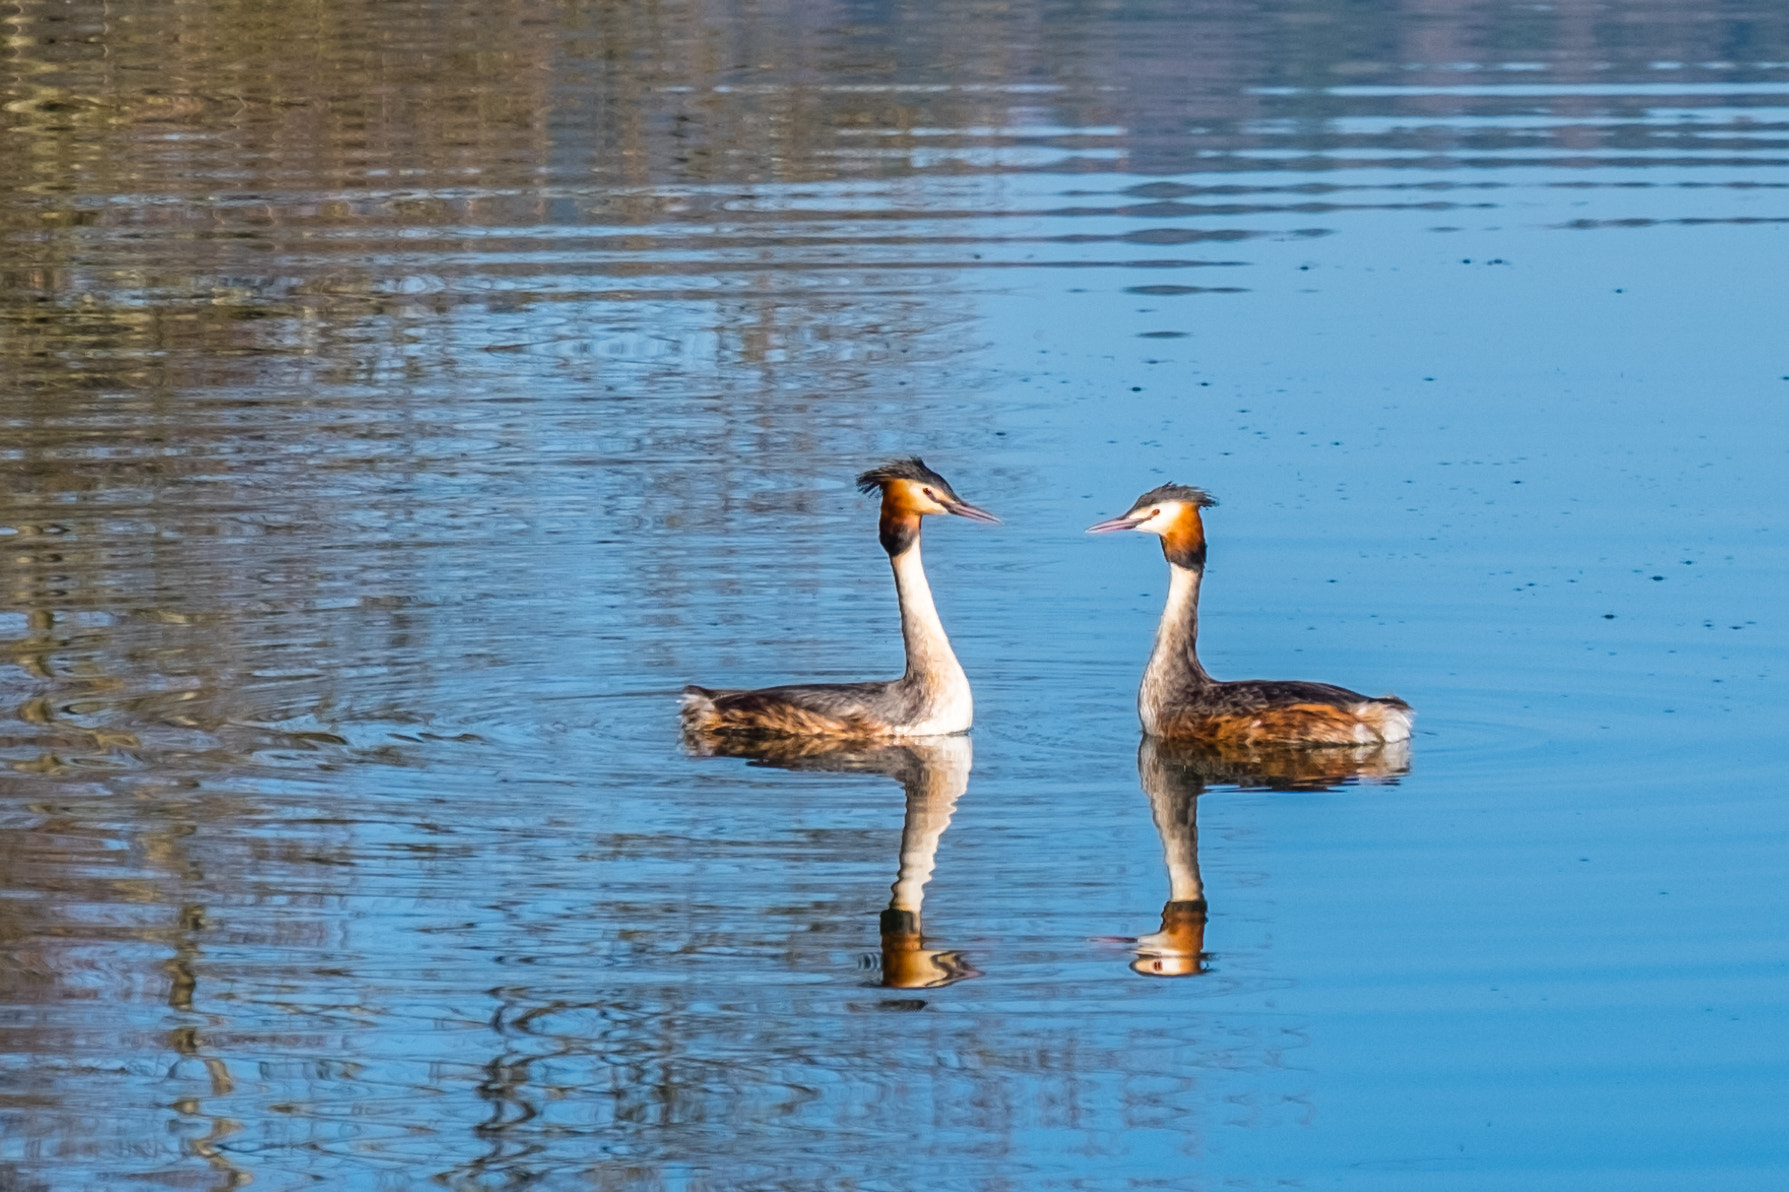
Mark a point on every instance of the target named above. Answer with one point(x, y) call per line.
point(1178, 700)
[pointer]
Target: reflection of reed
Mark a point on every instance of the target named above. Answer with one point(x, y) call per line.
point(58, 872)
point(505, 1087)
point(188, 1042)
point(934, 772)
point(1175, 773)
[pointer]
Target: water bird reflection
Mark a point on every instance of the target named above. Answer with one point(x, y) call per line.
point(934, 773)
point(1175, 773)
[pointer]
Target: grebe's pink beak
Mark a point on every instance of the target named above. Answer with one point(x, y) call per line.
point(965, 509)
point(1127, 522)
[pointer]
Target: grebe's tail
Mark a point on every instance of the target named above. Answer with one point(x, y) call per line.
point(1388, 716)
point(698, 710)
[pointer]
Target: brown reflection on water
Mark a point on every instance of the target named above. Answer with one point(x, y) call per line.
point(1174, 774)
point(86, 923)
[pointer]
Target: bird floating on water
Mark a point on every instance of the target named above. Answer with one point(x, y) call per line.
point(931, 699)
point(1179, 701)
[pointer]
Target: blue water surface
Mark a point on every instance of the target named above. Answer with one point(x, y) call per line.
point(401, 403)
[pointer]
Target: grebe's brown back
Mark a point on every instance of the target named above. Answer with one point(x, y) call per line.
point(932, 698)
point(1179, 701)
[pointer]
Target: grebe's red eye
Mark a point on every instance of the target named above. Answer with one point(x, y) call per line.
point(929, 493)
point(1155, 513)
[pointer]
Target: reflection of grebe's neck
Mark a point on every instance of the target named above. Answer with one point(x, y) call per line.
point(934, 783)
point(1173, 792)
point(1177, 819)
point(1178, 948)
point(933, 788)
point(1174, 804)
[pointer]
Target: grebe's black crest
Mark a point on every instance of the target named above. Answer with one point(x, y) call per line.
point(912, 468)
point(1196, 497)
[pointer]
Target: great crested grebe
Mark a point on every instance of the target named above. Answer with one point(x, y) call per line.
point(931, 699)
point(934, 773)
point(1178, 700)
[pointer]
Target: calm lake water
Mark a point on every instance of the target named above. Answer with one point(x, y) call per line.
point(401, 402)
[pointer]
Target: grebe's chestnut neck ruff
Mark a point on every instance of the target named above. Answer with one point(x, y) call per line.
point(931, 698)
point(1179, 700)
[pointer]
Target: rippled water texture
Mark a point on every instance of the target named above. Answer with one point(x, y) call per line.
point(401, 401)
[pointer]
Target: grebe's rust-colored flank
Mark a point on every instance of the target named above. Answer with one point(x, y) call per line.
point(1178, 700)
point(931, 699)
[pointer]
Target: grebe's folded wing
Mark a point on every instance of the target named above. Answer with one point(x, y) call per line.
point(827, 709)
point(1253, 695)
point(828, 699)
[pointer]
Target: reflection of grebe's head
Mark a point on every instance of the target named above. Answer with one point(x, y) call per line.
point(1167, 964)
point(1177, 950)
point(908, 964)
point(1172, 513)
point(921, 968)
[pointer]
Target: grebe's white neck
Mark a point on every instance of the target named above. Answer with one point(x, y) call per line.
point(932, 667)
point(1174, 663)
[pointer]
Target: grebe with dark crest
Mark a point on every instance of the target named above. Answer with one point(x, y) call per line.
point(1179, 701)
point(931, 699)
